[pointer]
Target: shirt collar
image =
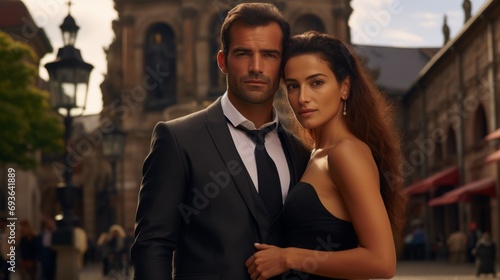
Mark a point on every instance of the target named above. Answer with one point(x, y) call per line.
point(236, 118)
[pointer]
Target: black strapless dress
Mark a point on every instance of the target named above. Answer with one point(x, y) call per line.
point(309, 225)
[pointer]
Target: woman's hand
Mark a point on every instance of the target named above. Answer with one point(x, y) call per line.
point(269, 261)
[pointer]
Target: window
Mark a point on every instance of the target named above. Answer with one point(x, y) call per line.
point(480, 129)
point(160, 67)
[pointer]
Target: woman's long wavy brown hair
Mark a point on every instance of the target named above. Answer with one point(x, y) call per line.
point(370, 117)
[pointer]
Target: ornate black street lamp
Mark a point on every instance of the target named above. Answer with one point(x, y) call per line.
point(113, 145)
point(68, 83)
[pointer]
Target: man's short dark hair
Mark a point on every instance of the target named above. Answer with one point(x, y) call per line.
point(253, 14)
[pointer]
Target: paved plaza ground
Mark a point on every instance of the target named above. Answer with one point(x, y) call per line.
point(437, 270)
point(428, 270)
point(424, 270)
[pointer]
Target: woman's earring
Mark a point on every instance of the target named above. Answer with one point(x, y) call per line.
point(345, 107)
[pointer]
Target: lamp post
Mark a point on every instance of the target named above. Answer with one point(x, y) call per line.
point(113, 145)
point(68, 85)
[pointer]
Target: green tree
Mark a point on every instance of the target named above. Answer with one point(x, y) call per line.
point(27, 122)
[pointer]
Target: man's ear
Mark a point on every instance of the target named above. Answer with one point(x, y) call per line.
point(345, 87)
point(221, 61)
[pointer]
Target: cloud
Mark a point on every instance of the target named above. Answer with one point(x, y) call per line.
point(363, 10)
point(428, 20)
point(402, 38)
point(370, 18)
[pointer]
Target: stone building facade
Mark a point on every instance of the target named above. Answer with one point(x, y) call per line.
point(449, 111)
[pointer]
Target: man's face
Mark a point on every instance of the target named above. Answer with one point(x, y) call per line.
point(252, 64)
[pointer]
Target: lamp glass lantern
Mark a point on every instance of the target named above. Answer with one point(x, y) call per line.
point(113, 144)
point(68, 84)
point(69, 30)
point(69, 74)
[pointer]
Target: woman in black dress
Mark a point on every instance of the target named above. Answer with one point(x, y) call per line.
point(341, 218)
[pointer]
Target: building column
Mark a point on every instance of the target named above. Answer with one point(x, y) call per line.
point(341, 15)
point(493, 125)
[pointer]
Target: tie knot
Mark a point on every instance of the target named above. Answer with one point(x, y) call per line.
point(257, 135)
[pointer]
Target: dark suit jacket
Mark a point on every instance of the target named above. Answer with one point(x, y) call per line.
point(198, 200)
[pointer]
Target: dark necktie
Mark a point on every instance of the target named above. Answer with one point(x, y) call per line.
point(267, 173)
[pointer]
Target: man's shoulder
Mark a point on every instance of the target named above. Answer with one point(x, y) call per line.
point(198, 117)
point(190, 123)
point(193, 118)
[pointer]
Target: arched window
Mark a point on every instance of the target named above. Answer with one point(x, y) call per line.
point(451, 143)
point(306, 23)
point(480, 129)
point(160, 67)
point(217, 78)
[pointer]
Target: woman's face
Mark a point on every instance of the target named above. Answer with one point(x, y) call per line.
point(314, 93)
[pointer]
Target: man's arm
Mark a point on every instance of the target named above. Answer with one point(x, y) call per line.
point(158, 219)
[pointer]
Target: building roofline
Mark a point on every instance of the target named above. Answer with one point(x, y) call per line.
point(451, 44)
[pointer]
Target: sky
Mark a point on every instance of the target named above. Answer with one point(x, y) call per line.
point(399, 23)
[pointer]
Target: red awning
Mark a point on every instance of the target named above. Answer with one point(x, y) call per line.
point(463, 193)
point(495, 134)
point(446, 177)
point(495, 156)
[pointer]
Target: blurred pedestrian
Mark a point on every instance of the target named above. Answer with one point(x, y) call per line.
point(456, 245)
point(45, 254)
point(472, 238)
point(438, 248)
point(27, 250)
point(485, 253)
point(418, 242)
point(80, 241)
point(116, 247)
point(408, 249)
point(102, 247)
point(4, 249)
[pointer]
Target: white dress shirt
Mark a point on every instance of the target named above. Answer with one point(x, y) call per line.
point(246, 146)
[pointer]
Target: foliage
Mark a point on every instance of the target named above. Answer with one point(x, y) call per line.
point(27, 122)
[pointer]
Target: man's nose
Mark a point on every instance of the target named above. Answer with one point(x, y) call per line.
point(255, 64)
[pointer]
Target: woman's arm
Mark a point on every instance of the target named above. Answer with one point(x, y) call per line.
point(355, 174)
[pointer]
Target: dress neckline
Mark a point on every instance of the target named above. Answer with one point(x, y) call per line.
point(319, 200)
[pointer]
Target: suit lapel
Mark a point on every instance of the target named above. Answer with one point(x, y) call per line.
point(217, 127)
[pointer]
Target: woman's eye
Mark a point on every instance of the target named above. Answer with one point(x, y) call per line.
point(291, 87)
point(317, 83)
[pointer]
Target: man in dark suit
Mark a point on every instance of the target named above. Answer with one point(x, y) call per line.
point(200, 194)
